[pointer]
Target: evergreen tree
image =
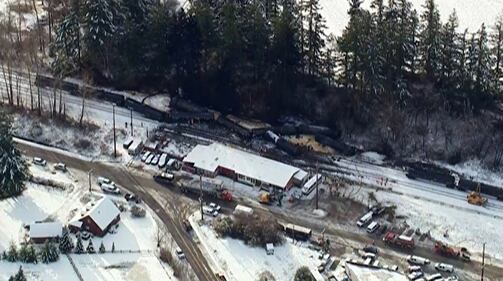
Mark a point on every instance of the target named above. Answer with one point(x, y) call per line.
point(497, 54)
point(19, 275)
point(102, 248)
point(483, 71)
point(314, 37)
point(90, 247)
point(330, 60)
point(450, 55)
point(430, 39)
point(79, 247)
point(31, 255)
point(49, 253)
point(12, 253)
point(67, 46)
point(66, 243)
point(303, 274)
point(12, 166)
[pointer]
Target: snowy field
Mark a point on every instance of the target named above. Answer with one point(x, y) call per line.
point(39, 203)
point(240, 262)
point(471, 13)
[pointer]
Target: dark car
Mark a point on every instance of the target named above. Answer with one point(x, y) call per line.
point(371, 249)
point(132, 198)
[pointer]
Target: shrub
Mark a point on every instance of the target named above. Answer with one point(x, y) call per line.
point(138, 212)
point(255, 231)
point(166, 256)
point(266, 276)
point(303, 274)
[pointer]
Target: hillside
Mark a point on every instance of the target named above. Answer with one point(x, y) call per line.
point(471, 13)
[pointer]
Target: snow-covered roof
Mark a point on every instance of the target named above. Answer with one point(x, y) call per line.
point(300, 175)
point(103, 212)
point(75, 223)
point(210, 157)
point(364, 273)
point(46, 229)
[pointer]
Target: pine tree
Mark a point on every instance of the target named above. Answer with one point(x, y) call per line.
point(79, 247)
point(12, 166)
point(430, 39)
point(497, 54)
point(330, 60)
point(31, 255)
point(23, 253)
point(12, 253)
point(19, 275)
point(49, 253)
point(483, 71)
point(113, 247)
point(450, 55)
point(314, 37)
point(102, 248)
point(66, 243)
point(90, 247)
point(67, 44)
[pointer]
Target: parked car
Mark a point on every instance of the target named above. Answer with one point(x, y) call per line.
point(417, 260)
point(155, 160)
point(415, 275)
point(108, 188)
point(145, 156)
point(132, 198)
point(60, 167)
point(179, 253)
point(414, 268)
point(103, 180)
point(444, 267)
point(436, 276)
point(149, 159)
point(210, 211)
point(164, 177)
point(215, 206)
point(371, 249)
point(39, 161)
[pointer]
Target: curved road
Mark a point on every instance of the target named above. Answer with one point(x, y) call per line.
point(169, 214)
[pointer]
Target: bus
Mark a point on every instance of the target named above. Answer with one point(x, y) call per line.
point(311, 184)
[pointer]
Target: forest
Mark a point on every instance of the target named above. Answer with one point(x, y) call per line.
point(396, 81)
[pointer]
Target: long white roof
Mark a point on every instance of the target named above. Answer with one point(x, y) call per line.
point(362, 273)
point(210, 157)
point(46, 229)
point(103, 212)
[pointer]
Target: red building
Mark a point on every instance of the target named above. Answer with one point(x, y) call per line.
point(98, 219)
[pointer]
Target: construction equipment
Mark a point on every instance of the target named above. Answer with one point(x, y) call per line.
point(207, 186)
point(452, 252)
point(394, 239)
point(475, 198)
point(265, 198)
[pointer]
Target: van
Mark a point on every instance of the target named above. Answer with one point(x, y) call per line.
point(444, 267)
point(162, 160)
point(373, 226)
point(145, 156)
point(433, 277)
point(365, 219)
point(39, 161)
point(417, 260)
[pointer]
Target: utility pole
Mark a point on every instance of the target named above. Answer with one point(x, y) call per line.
point(131, 114)
point(89, 173)
point(317, 183)
point(115, 145)
point(201, 196)
point(483, 261)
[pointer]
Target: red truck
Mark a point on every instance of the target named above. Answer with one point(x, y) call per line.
point(402, 241)
point(452, 252)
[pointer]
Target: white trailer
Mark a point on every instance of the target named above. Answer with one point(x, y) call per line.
point(241, 209)
point(135, 147)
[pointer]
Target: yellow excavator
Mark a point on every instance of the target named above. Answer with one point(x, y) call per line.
point(475, 198)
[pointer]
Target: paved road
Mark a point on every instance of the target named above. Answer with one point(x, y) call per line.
point(146, 188)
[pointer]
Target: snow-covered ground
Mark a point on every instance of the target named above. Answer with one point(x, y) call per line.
point(471, 13)
point(39, 203)
point(240, 262)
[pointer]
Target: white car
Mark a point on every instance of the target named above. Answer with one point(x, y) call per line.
point(179, 253)
point(39, 161)
point(60, 167)
point(444, 267)
point(145, 156)
point(149, 159)
point(417, 260)
point(210, 211)
point(415, 275)
point(103, 180)
point(215, 206)
point(108, 188)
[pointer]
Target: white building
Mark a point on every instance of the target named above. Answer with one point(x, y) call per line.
point(217, 159)
point(364, 273)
